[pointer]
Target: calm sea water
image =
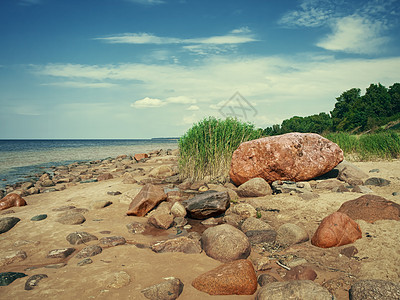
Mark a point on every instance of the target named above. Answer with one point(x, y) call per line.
point(22, 158)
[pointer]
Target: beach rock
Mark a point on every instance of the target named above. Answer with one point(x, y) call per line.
point(301, 273)
point(11, 200)
point(198, 184)
point(7, 278)
point(12, 256)
point(119, 280)
point(206, 205)
point(362, 189)
point(253, 223)
point(39, 217)
point(34, 281)
point(81, 237)
point(179, 244)
point(290, 234)
point(99, 204)
point(104, 176)
point(352, 175)
point(71, 218)
point(89, 251)
point(349, 251)
point(148, 197)
point(7, 223)
point(244, 210)
point(294, 289)
point(161, 220)
point(128, 178)
point(86, 261)
point(264, 279)
point(232, 219)
point(261, 236)
point(61, 253)
point(376, 181)
point(234, 278)
point(169, 289)
point(374, 289)
point(138, 157)
point(292, 156)
point(335, 230)
point(26, 185)
point(162, 171)
point(114, 193)
point(47, 183)
point(329, 184)
point(254, 187)
point(371, 208)
point(280, 186)
point(135, 227)
point(225, 243)
point(112, 241)
point(178, 210)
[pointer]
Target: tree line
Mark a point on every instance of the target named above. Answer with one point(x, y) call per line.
point(352, 113)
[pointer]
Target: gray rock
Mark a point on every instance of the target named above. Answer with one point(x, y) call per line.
point(329, 184)
point(289, 234)
point(89, 251)
point(264, 279)
point(34, 281)
point(255, 187)
point(7, 223)
point(244, 210)
point(85, 261)
point(98, 204)
point(170, 289)
point(352, 175)
point(180, 244)
point(225, 243)
point(207, 204)
point(376, 181)
point(261, 236)
point(60, 253)
point(295, 289)
point(8, 277)
point(71, 218)
point(362, 189)
point(113, 241)
point(374, 290)
point(135, 227)
point(39, 217)
point(80, 237)
point(374, 171)
point(290, 186)
point(254, 224)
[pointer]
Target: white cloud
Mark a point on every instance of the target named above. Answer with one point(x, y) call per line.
point(355, 34)
point(81, 84)
point(148, 103)
point(193, 108)
point(181, 100)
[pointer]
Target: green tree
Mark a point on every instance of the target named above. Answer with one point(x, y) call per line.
point(394, 92)
point(345, 103)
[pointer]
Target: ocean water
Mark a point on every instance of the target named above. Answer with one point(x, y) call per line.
point(20, 159)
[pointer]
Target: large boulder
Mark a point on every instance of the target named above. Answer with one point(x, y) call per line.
point(207, 204)
point(148, 198)
point(225, 243)
point(234, 278)
point(336, 230)
point(371, 208)
point(11, 200)
point(291, 156)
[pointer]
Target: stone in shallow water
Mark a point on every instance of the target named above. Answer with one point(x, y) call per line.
point(8, 277)
point(39, 217)
point(33, 281)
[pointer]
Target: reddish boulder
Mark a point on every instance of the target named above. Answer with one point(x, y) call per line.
point(371, 208)
point(140, 156)
point(291, 156)
point(11, 200)
point(148, 198)
point(336, 230)
point(234, 278)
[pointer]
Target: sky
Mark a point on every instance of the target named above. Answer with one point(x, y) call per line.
point(129, 69)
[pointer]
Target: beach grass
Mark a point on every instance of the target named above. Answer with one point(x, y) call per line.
point(372, 146)
point(206, 148)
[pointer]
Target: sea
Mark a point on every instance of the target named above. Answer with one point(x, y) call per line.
point(22, 159)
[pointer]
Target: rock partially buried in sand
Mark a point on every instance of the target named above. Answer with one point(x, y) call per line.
point(291, 156)
point(71, 218)
point(34, 281)
point(89, 251)
point(170, 289)
point(80, 237)
point(148, 198)
point(11, 200)
point(335, 230)
point(7, 223)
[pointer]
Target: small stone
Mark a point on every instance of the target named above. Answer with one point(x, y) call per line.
point(81, 237)
point(290, 234)
point(113, 241)
point(162, 221)
point(180, 244)
point(254, 224)
point(362, 189)
point(89, 251)
point(255, 187)
point(244, 210)
point(120, 279)
point(301, 273)
point(135, 227)
point(264, 279)
point(39, 217)
point(178, 210)
point(395, 193)
point(12, 256)
point(34, 281)
point(98, 204)
point(7, 223)
point(263, 264)
point(71, 218)
point(207, 204)
point(170, 289)
point(374, 171)
point(85, 261)
point(375, 181)
point(180, 221)
point(349, 251)
point(374, 290)
point(56, 266)
point(261, 236)
point(114, 193)
point(60, 253)
point(210, 222)
point(8, 277)
point(104, 176)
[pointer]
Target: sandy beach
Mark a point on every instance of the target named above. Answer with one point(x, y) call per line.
point(377, 257)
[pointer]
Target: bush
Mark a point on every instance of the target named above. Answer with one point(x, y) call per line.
point(206, 149)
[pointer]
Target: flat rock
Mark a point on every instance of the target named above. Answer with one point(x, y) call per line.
point(135, 227)
point(33, 281)
point(119, 280)
point(374, 290)
point(352, 174)
point(12, 256)
point(371, 208)
point(89, 251)
point(80, 237)
point(261, 236)
point(253, 223)
point(295, 289)
point(99, 204)
point(207, 204)
point(39, 217)
point(112, 241)
point(376, 181)
point(148, 197)
point(85, 261)
point(7, 223)
point(8, 277)
point(292, 156)
point(290, 234)
point(225, 243)
point(104, 176)
point(169, 289)
point(71, 218)
point(61, 253)
point(234, 278)
point(255, 187)
point(335, 230)
point(300, 273)
point(180, 244)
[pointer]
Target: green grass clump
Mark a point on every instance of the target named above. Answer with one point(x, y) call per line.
point(373, 146)
point(206, 149)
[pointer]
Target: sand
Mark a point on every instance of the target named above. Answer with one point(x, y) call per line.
point(378, 255)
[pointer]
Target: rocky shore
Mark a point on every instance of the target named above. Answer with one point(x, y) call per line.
point(128, 228)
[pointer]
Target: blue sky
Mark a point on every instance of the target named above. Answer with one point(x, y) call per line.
point(151, 68)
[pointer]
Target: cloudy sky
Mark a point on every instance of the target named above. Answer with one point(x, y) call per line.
point(151, 68)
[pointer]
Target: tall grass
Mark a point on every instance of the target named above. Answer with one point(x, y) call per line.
point(206, 149)
point(374, 146)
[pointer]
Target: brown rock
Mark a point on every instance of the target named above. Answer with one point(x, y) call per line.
point(234, 278)
point(292, 156)
point(349, 251)
point(104, 176)
point(371, 208)
point(148, 197)
point(128, 178)
point(162, 221)
point(9, 257)
point(11, 200)
point(301, 273)
point(336, 230)
point(140, 156)
point(255, 187)
point(60, 253)
point(180, 244)
point(113, 241)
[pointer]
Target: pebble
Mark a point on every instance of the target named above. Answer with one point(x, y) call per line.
point(114, 193)
point(89, 251)
point(12, 256)
point(85, 261)
point(71, 218)
point(60, 253)
point(120, 279)
point(113, 241)
point(170, 289)
point(100, 204)
point(80, 237)
point(264, 279)
point(33, 281)
point(135, 227)
point(39, 217)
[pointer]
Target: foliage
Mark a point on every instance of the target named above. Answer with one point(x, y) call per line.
point(206, 148)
